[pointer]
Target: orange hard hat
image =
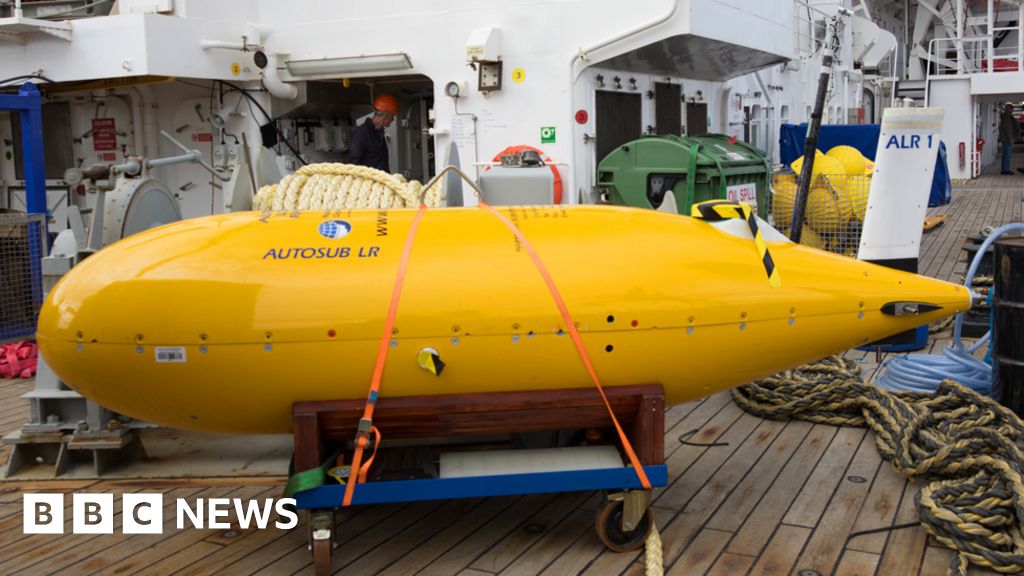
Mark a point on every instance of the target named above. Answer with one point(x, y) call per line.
point(386, 103)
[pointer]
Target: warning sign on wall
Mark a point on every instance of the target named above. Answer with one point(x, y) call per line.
point(104, 136)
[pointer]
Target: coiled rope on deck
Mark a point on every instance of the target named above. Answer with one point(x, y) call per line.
point(967, 445)
point(331, 186)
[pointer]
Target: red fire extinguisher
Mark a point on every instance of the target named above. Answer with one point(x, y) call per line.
point(979, 144)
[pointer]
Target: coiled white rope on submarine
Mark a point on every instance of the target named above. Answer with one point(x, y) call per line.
point(333, 186)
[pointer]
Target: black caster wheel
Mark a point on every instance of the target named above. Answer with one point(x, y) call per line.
point(321, 528)
point(609, 528)
point(322, 557)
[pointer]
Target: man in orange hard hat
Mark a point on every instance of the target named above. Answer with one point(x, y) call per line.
point(369, 145)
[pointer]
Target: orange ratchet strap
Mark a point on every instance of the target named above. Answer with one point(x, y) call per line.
point(358, 474)
point(571, 327)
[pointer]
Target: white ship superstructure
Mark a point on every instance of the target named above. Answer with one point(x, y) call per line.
point(574, 79)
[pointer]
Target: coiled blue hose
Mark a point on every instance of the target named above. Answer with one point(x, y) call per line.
point(923, 372)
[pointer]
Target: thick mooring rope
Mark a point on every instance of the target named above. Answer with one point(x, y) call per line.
point(967, 445)
point(329, 186)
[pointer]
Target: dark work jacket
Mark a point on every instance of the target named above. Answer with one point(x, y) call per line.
point(1009, 129)
point(369, 147)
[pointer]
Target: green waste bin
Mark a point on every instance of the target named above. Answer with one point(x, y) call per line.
point(695, 168)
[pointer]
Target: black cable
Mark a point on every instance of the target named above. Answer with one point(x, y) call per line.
point(210, 87)
point(251, 100)
point(245, 92)
point(853, 535)
point(270, 118)
point(210, 109)
point(25, 77)
point(684, 440)
point(252, 111)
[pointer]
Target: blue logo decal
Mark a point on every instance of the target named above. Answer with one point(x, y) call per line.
point(334, 229)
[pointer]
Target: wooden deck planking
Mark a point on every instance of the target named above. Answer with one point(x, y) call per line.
point(719, 488)
point(855, 563)
point(838, 516)
point(509, 549)
point(778, 497)
point(973, 222)
point(576, 557)
point(65, 551)
point(761, 523)
point(140, 552)
point(936, 561)
point(409, 538)
point(201, 549)
point(11, 527)
point(250, 542)
point(942, 239)
point(418, 558)
point(810, 504)
point(579, 524)
point(9, 515)
point(976, 220)
point(40, 549)
point(878, 510)
point(947, 247)
point(782, 551)
point(696, 422)
point(741, 502)
point(678, 494)
point(731, 564)
point(970, 211)
point(905, 549)
point(467, 550)
point(361, 535)
point(701, 554)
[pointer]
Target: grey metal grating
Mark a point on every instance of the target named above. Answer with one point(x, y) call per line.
point(22, 241)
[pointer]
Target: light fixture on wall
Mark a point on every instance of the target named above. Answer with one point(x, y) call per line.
point(349, 65)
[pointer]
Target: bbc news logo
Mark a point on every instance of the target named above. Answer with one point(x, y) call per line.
point(144, 513)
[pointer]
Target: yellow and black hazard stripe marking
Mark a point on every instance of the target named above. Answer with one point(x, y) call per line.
point(430, 360)
point(718, 210)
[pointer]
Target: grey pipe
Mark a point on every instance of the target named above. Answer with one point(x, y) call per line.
point(195, 156)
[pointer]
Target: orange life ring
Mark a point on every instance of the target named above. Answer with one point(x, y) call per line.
point(554, 169)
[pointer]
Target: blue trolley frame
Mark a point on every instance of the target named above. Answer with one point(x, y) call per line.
point(28, 103)
point(611, 479)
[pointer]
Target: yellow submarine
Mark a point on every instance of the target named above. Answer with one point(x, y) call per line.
point(220, 323)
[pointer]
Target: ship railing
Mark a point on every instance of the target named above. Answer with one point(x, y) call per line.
point(974, 55)
point(809, 18)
